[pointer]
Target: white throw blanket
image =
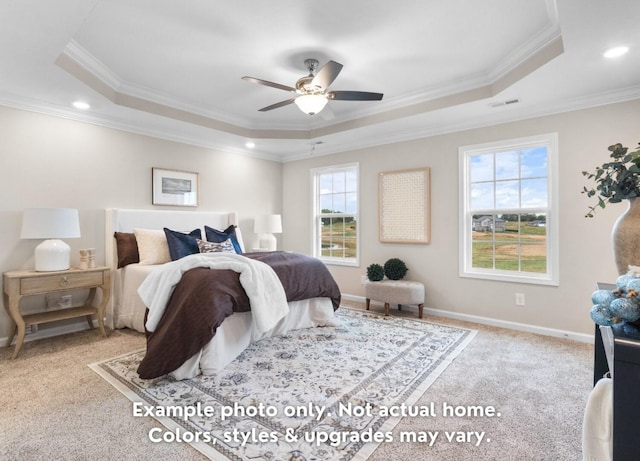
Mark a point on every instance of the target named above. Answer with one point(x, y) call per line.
point(262, 285)
point(597, 427)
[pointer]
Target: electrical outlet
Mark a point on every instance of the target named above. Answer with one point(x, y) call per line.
point(363, 279)
point(520, 299)
point(65, 301)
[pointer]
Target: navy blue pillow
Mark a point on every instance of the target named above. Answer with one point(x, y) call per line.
point(216, 236)
point(181, 244)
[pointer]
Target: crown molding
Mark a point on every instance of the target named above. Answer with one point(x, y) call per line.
point(145, 129)
point(513, 114)
point(506, 116)
point(523, 61)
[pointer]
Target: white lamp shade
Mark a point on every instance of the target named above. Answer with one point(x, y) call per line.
point(51, 224)
point(266, 226)
point(311, 103)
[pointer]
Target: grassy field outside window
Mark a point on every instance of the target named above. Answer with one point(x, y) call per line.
point(521, 246)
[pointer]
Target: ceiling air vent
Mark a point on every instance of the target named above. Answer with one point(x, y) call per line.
point(505, 103)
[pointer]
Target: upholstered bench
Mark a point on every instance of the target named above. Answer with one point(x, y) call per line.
point(395, 291)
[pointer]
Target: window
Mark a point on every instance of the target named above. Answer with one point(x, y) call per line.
point(335, 192)
point(509, 218)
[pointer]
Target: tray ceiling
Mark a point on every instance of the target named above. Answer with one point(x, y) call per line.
point(173, 69)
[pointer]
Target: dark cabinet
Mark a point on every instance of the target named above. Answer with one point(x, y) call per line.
point(626, 388)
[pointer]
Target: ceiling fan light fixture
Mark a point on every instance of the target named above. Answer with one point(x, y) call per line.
point(311, 103)
point(311, 90)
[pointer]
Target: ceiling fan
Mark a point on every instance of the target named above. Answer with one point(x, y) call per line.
point(312, 95)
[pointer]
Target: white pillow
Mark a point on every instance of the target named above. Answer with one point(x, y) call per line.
point(152, 246)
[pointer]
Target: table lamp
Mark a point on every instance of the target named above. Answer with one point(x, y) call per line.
point(265, 226)
point(51, 224)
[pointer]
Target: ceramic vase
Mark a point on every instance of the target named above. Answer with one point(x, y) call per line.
point(626, 237)
point(84, 261)
point(91, 257)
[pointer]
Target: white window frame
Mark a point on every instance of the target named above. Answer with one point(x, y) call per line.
point(316, 223)
point(551, 277)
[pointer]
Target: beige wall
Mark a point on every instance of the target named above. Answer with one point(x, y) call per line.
point(49, 162)
point(585, 248)
point(53, 162)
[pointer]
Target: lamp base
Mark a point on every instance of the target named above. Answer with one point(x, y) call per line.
point(52, 255)
point(267, 242)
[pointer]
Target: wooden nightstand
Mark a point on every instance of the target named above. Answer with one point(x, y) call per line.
point(18, 284)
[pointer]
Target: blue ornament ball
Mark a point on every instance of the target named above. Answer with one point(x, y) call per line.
point(625, 308)
point(633, 284)
point(621, 282)
point(603, 297)
point(600, 315)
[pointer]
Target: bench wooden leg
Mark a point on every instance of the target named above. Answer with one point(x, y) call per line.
point(368, 303)
point(386, 309)
point(399, 307)
point(420, 307)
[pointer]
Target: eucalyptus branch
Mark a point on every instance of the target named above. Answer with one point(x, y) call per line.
point(615, 181)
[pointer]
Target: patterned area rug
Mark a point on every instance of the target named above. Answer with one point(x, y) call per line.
point(324, 393)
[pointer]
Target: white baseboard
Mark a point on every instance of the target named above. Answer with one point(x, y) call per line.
point(582, 337)
point(54, 330)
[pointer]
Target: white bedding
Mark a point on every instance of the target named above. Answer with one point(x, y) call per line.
point(231, 338)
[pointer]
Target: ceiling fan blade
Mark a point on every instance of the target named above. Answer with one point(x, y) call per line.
point(271, 84)
point(277, 105)
point(354, 96)
point(326, 75)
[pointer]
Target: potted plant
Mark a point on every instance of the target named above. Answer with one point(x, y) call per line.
point(395, 269)
point(615, 181)
point(375, 272)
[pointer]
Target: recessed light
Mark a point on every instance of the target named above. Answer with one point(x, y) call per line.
point(81, 105)
point(250, 144)
point(616, 51)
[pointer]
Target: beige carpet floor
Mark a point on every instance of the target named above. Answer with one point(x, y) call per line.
point(52, 406)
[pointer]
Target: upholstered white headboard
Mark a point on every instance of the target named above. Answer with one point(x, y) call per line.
point(121, 220)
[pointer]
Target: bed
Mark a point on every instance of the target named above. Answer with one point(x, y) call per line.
point(235, 332)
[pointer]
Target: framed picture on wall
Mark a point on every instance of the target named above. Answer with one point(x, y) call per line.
point(404, 206)
point(174, 187)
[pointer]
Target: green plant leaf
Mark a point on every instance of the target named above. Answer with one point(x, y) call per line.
point(615, 180)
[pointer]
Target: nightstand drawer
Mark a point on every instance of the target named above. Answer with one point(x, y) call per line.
point(57, 282)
